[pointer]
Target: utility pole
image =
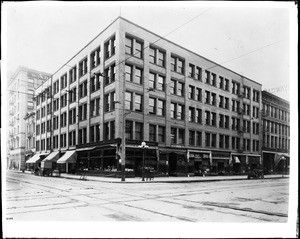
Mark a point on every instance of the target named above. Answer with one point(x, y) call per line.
point(123, 135)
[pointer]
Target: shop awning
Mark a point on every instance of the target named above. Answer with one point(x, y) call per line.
point(53, 157)
point(177, 151)
point(35, 158)
point(85, 149)
point(68, 157)
point(279, 157)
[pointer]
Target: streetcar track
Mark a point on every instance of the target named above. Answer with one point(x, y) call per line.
point(142, 194)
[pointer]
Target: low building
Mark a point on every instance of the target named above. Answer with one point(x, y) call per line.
point(276, 133)
point(128, 82)
point(30, 135)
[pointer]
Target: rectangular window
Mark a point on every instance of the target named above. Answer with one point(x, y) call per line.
point(152, 55)
point(207, 139)
point(191, 114)
point(138, 76)
point(213, 119)
point(83, 89)
point(207, 77)
point(221, 82)
point(72, 138)
point(95, 107)
point(95, 58)
point(198, 75)
point(157, 56)
point(160, 83)
point(110, 47)
point(213, 79)
point(63, 81)
point(198, 95)
point(160, 107)
point(151, 80)
point(173, 135)
point(95, 83)
point(152, 132)
point(82, 67)
point(138, 104)
point(199, 138)
point(82, 112)
point(207, 97)
point(152, 106)
point(177, 64)
point(138, 49)
point(180, 112)
point(191, 137)
point(138, 131)
point(128, 100)
point(72, 116)
point(110, 74)
point(191, 92)
point(199, 116)
point(63, 100)
point(129, 129)
point(207, 117)
point(161, 134)
point(128, 72)
point(129, 46)
point(180, 89)
point(72, 95)
point(173, 87)
point(191, 70)
point(213, 140)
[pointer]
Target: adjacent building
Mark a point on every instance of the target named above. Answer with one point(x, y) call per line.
point(21, 88)
point(276, 133)
point(128, 82)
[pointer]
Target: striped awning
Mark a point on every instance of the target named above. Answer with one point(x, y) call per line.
point(53, 157)
point(68, 157)
point(35, 158)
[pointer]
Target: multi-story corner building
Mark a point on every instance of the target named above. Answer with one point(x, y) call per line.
point(192, 112)
point(21, 88)
point(276, 133)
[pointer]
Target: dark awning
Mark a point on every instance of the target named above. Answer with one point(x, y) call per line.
point(177, 151)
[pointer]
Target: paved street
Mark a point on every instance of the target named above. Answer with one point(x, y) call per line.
point(32, 197)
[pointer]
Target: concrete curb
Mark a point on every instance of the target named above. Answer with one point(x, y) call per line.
point(166, 179)
point(174, 180)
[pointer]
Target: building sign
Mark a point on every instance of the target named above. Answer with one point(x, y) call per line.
point(36, 75)
point(198, 156)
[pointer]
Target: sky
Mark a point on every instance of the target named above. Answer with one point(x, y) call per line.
point(252, 41)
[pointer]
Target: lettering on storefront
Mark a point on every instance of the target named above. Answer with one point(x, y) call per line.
point(198, 156)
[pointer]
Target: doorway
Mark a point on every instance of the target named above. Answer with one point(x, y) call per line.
point(172, 164)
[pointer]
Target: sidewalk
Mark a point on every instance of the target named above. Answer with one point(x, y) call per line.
point(169, 179)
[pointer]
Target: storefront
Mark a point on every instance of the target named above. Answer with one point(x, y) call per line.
point(35, 160)
point(220, 162)
point(275, 162)
point(175, 160)
point(198, 161)
point(238, 164)
point(51, 159)
point(66, 163)
point(254, 162)
point(282, 162)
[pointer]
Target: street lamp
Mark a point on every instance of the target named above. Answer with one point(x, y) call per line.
point(143, 146)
